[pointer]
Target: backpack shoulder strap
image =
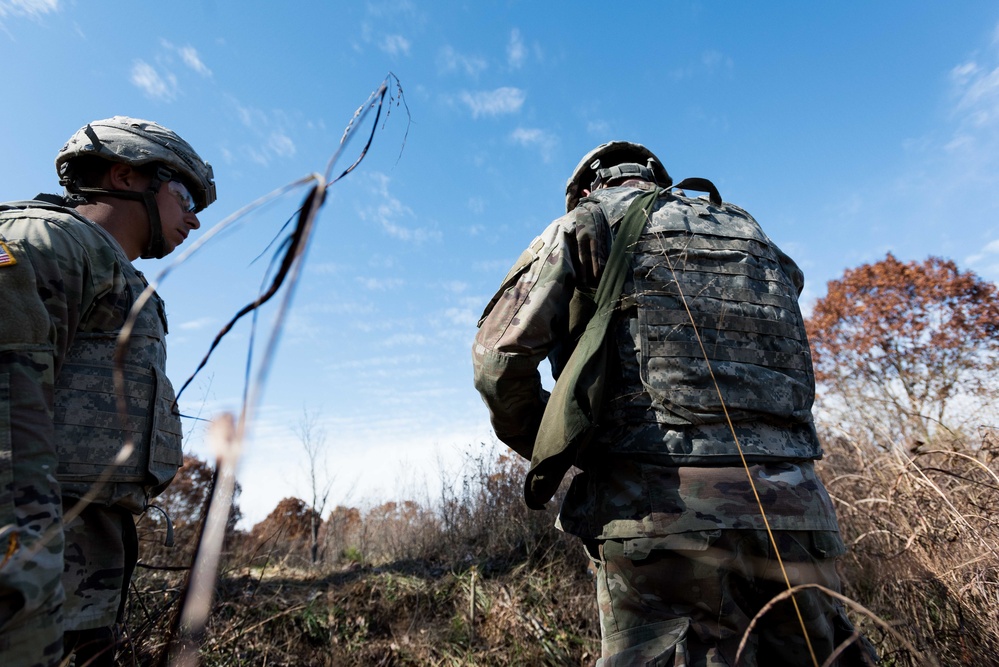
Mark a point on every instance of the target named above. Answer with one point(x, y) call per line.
point(575, 402)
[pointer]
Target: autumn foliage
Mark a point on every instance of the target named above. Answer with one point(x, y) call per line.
point(184, 501)
point(907, 350)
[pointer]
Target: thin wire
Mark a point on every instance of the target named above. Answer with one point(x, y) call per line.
point(742, 457)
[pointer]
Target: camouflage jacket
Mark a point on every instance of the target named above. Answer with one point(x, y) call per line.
point(66, 288)
point(642, 485)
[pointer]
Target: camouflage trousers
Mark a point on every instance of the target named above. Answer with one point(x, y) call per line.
point(686, 600)
point(99, 558)
point(31, 539)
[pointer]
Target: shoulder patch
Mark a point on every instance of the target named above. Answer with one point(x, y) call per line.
point(6, 257)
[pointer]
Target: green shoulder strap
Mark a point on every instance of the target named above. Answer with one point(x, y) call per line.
point(575, 402)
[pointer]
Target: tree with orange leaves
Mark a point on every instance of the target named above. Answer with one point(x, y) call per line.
point(907, 350)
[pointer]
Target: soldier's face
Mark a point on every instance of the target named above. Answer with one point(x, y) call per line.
point(176, 214)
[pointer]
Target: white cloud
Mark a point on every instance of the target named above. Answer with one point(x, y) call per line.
point(30, 8)
point(462, 317)
point(449, 60)
point(190, 56)
point(599, 128)
point(535, 138)
point(394, 45)
point(978, 91)
point(268, 138)
point(516, 52)
point(477, 205)
point(714, 60)
point(380, 284)
point(390, 213)
point(455, 286)
point(196, 325)
point(991, 248)
point(494, 102)
point(281, 144)
point(324, 268)
point(152, 83)
point(407, 340)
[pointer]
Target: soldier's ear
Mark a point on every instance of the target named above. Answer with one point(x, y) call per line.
point(123, 177)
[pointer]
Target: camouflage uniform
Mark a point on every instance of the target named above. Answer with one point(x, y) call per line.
point(664, 505)
point(66, 288)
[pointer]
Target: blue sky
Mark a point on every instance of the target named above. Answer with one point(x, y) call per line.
point(847, 129)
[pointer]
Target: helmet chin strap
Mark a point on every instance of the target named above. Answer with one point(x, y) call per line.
point(156, 247)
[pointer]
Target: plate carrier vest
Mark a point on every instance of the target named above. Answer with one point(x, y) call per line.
point(89, 431)
point(742, 293)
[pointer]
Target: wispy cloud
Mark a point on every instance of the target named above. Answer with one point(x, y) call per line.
point(504, 100)
point(407, 340)
point(598, 128)
point(977, 88)
point(268, 129)
point(973, 149)
point(394, 45)
point(449, 60)
point(716, 60)
point(391, 214)
point(281, 144)
point(380, 284)
point(462, 317)
point(516, 52)
point(711, 62)
point(190, 56)
point(30, 8)
point(535, 138)
point(157, 85)
point(454, 286)
point(196, 325)
point(989, 253)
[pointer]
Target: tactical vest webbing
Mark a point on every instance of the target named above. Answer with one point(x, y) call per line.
point(744, 306)
point(89, 431)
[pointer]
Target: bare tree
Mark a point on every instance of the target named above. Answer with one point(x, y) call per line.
point(312, 436)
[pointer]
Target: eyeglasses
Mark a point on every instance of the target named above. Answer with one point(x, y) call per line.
point(183, 195)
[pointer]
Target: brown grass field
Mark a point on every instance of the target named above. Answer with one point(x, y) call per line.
point(474, 578)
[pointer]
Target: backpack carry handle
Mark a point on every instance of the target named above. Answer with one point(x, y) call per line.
point(701, 185)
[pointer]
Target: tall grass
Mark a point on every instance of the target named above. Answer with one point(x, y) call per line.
point(923, 531)
point(471, 577)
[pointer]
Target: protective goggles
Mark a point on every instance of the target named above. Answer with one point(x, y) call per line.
point(180, 191)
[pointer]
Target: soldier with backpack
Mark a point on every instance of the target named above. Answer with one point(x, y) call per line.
point(79, 453)
point(683, 393)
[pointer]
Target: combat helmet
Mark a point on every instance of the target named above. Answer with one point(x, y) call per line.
point(138, 142)
point(615, 159)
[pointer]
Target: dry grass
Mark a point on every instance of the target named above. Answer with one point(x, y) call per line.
point(923, 534)
point(474, 578)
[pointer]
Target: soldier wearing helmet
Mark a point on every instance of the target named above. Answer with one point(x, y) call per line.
point(133, 188)
point(663, 504)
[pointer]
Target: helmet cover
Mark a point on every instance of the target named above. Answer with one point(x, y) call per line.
point(611, 154)
point(138, 142)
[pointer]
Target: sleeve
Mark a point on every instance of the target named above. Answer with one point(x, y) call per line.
point(528, 320)
point(43, 284)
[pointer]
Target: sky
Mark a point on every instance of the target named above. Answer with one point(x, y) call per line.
point(847, 129)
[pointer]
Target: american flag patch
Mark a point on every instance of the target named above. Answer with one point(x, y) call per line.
point(6, 259)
